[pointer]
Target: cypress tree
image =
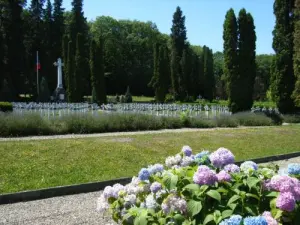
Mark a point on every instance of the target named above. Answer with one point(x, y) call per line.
point(283, 80)
point(1, 58)
point(209, 80)
point(49, 69)
point(70, 72)
point(246, 60)
point(99, 67)
point(13, 27)
point(155, 77)
point(65, 44)
point(230, 38)
point(44, 95)
point(296, 93)
point(79, 68)
point(93, 46)
point(178, 42)
point(58, 29)
point(183, 87)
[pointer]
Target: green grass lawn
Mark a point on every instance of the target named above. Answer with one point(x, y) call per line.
point(27, 165)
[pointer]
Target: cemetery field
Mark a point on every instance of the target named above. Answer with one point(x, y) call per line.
point(28, 165)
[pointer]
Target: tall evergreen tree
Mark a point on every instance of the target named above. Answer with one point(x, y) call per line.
point(79, 71)
point(178, 42)
point(58, 29)
point(44, 95)
point(161, 77)
point(209, 79)
point(1, 55)
point(296, 93)
point(93, 47)
point(48, 68)
point(283, 79)
point(246, 60)
point(71, 79)
point(35, 37)
point(230, 38)
point(13, 28)
point(65, 44)
point(99, 72)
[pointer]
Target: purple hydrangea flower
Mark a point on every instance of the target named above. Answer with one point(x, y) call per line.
point(155, 187)
point(233, 220)
point(221, 157)
point(286, 201)
point(223, 176)
point(187, 150)
point(144, 174)
point(204, 175)
point(270, 220)
point(294, 169)
point(255, 220)
point(232, 168)
point(174, 203)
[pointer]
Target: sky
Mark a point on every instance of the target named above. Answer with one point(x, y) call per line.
point(204, 18)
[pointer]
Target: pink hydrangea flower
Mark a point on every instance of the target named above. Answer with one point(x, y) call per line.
point(286, 201)
point(223, 176)
point(270, 220)
point(204, 175)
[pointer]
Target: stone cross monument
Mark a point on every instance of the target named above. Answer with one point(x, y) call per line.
point(59, 94)
point(59, 65)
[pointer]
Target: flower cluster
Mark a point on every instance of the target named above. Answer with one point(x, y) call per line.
point(221, 157)
point(265, 219)
point(176, 189)
point(289, 189)
point(248, 166)
point(294, 169)
point(204, 175)
point(174, 204)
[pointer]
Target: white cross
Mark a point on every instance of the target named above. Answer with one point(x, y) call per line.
point(59, 65)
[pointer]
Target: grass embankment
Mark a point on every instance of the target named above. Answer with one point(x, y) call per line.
point(27, 165)
point(33, 124)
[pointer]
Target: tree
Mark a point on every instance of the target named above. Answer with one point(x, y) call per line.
point(161, 77)
point(65, 44)
point(79, 71)
point(44, 95)
point(230, 38)
point(209, 80)
point(296, 93)
point(58, 29)
point(78, 24)
point(246, 61)
point(1, 54)
point(70, 72)
point(13, 31)
point(178, 40)
point(48, 68)
point(99, 67)
point(283, 80)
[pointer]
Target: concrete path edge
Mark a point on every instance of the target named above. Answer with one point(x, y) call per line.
point(97, 186)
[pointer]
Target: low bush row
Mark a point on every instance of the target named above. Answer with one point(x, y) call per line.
point(6, 107)
point(33, 124)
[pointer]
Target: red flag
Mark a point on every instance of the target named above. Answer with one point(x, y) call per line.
point(38, 66)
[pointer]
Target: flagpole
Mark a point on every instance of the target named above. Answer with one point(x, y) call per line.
point(37, 72)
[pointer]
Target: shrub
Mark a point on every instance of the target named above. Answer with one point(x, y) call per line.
point(6, 107)
point(289, 118)
point(252, 119)
point(206, 188)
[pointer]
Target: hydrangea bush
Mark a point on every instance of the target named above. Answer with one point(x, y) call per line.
point(206, 189)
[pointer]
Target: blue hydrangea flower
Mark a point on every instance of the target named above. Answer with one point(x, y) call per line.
point(248, 166)
point(155, 187)
point(202, 154)
point(294, 168)
point(155, 168)
point(144, 174)
point(233, 220)
point(255, 220)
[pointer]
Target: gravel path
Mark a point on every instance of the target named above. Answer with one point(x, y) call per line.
point(66, 210)
point(69, 136)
